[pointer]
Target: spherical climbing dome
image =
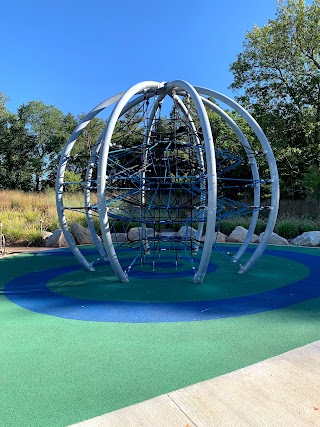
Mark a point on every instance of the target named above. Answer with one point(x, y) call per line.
point(170, 165)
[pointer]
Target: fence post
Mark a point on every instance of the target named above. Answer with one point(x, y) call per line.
point(2, 241)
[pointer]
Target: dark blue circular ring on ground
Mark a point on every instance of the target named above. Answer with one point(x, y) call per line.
point(30, 291)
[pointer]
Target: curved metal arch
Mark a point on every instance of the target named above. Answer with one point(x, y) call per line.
point(254, 169)
point(87, 197)
point(61, 170)
point(146, 139)
point(211, 177)
point(196, 140)
point(102, 167)
point(274, 179)
point(91, 164)
point(60, 177)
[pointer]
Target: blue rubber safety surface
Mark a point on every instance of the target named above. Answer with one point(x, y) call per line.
point(31, 292)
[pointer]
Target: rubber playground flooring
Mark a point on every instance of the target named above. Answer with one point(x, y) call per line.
point(77, 344)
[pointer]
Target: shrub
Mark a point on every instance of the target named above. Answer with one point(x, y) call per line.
point(33, 237)
point(287, 228)
point(307, 225)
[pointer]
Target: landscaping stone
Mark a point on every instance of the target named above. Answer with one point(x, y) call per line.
point(187, 232)
point(45, 235)
point(56, 240)
point(275, 239)
point(135, 233)
point(81, 234)
point(170, 235)
point(239, 234)
point(308, 238)
point(220, 238)
point(254, 239)
point(119, 237)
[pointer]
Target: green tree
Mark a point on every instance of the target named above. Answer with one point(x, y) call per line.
point(311, 181)
point(74, 181)
point(68, 124)
point(45, 124)
point(129, 129)
point(278, 75)
point(15, 147)
point(3, 109)
point(84, 146)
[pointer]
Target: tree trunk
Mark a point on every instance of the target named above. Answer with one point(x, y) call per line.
point(37, 182)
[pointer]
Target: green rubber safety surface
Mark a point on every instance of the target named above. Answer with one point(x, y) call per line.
point(225, 282)
point(55, 371)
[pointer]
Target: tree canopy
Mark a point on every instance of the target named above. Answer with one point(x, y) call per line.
point(277, 76)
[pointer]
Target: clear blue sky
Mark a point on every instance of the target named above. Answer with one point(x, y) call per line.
point(74, 54)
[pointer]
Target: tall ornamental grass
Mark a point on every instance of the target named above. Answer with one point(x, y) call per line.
point(21, 213)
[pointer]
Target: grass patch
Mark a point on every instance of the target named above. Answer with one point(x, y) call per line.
point(21, 213)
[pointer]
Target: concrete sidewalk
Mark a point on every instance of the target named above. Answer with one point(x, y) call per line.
point(283, 391)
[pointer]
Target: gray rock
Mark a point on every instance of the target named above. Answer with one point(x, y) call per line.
point(239, 234)
point(254, 239)
point(135, 233)
point(119, 237)
point(220, 238)
point(170, 235)
point(275, 239)
point(187, 232)
point(308, 238)
point(45, 235)
point(56, 240)
point(81, 234)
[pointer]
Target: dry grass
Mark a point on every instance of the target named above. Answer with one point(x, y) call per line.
point(20, 214)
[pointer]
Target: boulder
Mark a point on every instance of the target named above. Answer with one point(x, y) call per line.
point(81, 234)
point(217, 238)
point(309, 238)
point(239, 234)
point(187, 232)
point(45, 235)
point(56, 240)
point(275, 239)
point(135, 233)
point(168, 235)
point(254, 239)
point(119, 237)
